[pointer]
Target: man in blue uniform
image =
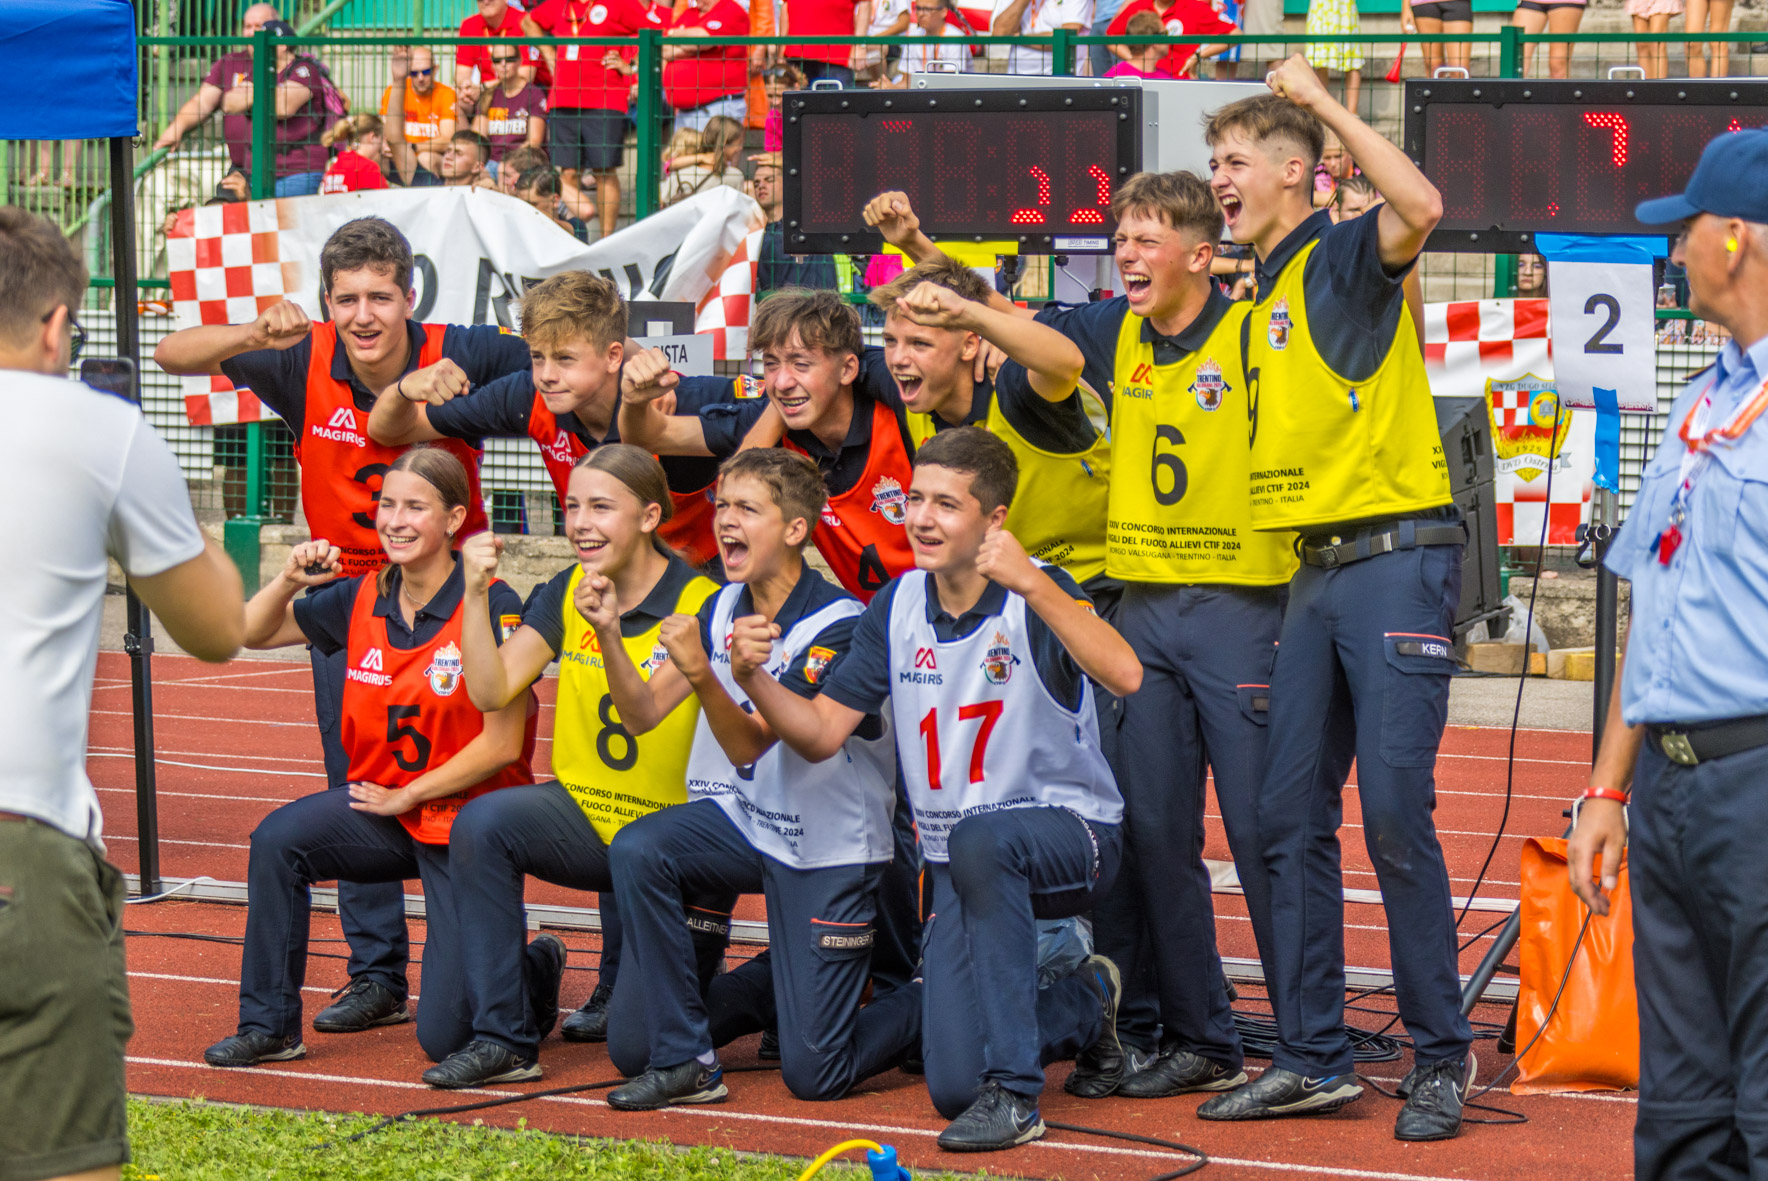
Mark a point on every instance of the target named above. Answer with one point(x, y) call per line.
point(1688, 729)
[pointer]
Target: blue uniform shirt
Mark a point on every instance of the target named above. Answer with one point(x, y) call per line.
point(1697, 647)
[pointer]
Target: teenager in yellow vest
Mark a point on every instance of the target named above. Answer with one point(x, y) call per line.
point(604, 776)
point(1345, 451)
point(1201, 604)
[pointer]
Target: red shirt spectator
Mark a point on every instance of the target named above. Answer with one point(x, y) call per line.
point(1183, 18)
point(820, 18)
point(351, 171)
point(495, 18)
point(715, 72)
point(580, 80)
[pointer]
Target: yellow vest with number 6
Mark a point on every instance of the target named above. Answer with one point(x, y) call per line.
point(1179, 509)
point(1058, 509)
point(614, 777)
point(1326, 450)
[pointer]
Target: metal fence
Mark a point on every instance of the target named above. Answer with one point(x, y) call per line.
point(69, 182)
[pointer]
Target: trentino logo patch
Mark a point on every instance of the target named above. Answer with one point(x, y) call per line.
point(889, 500)
point(998, 661)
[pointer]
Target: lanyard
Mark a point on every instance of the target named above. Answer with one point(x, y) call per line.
point(1700, 439)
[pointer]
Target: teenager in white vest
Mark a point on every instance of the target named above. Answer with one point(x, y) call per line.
point(983, 657)
point(815, 838)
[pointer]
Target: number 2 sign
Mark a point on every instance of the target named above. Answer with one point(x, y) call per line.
point(1602, 327)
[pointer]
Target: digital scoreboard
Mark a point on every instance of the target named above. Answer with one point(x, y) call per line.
point(1514, 157)
point(1034, 167)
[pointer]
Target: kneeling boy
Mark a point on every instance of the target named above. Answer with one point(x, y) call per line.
point(984, 657)
point(814, 837)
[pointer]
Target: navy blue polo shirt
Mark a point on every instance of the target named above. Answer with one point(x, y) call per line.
point(324, 614)
point(545, 609)
point(810, 594)
point(1095, 328)
point(1353, 300)
point(279, 376)
point(863, 680)
point(501, 410)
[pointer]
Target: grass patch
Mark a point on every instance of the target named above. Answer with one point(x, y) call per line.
point(196, 1141)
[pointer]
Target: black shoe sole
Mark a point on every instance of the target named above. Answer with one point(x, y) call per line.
point(717, 1095)
point(291, 1054)
point(572, 1033)
point(1268, 1113)
point(520, 1074)
point(1213, 1086)
point(400, 1017)
point(1035, 1132)
point(1449, 1135)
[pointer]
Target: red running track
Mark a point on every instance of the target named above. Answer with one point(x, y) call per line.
point(234, 742)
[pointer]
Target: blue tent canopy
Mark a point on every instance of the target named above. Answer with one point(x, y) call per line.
point(76, 62)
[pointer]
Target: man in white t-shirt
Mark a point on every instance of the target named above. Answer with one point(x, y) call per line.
point(86, 479)
point(941, 46)
point(1039, 18)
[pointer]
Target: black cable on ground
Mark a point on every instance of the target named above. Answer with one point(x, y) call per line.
point(1170, 1145)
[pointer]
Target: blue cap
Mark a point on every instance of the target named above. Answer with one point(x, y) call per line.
point(1731, 180)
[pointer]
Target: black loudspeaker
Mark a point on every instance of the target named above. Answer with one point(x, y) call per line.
point(1466, 428)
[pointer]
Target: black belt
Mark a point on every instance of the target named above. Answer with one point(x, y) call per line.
point(1693, 745)
point(1331, 552)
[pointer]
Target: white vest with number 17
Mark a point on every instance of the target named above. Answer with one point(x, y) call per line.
point(807, 815)
point(977, 729)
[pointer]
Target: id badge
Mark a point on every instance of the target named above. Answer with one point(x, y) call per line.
point(570, 53)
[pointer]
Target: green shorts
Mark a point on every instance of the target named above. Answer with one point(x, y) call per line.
point(64, 1006)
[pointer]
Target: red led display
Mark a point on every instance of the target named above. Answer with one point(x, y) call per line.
point(1516, 157)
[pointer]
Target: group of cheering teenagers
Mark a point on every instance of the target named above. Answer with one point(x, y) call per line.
point(1085, 557)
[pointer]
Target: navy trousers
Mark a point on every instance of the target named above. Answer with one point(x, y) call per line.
point(821, 927)
point(1363, 671)
point(321, 838)
point(1700, 961)
point(896, 954)
point(1206, 654)
point(497, 841)
point(371, 913)
point(983, 1016)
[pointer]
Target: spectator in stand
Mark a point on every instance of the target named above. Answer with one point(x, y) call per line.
point(233, 69)
point(1456, 16)
point(1013, 18)
point(540, 188)
point(711, 162)
point(300, 110)
point(1704, 16)
point(462, 162)
point(890, 18)
point(776, 268)
point(475, 63)
point(777, 80)
point(519, 163)
point(1181, 18)
point(702, 83)
point(1326, 17)
point(429, 108)
point(1227, 63)
point(1563, 16)
point(1531, 277)
point(1141, 61)
point(940, 44)
point(1100, 57)
point(826, 18)
point(1653, 16)
point(511, 114)
point(361, 144)
point(587, 104)
point(70, 162)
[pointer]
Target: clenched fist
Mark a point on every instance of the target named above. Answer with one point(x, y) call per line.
point(282, 326)
point(478, 560)
point(647, 376)
point(435, 384)
point(752, 641)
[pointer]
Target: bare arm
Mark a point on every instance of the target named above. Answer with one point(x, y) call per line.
point(205, 102)
point(290, 98)
point(270, 614)
point(495, 675)
point(203, 348)
point(548, 53)
point(1095, 645)
point(199, 602)
point(1007, 22)
point(404, 155)
point(1411, 204)
point(815, 727)
point(401, 414)
point(895, 219)
point(536, 131)
point(1052, 361)
point(643, 423)
point(494, 747)
point(1602, 826)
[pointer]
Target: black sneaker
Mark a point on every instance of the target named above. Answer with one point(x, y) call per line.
point(544, 988)
point(1279, 1092)
point(248, 1047)
point(1097, 1075)
point(1434, 1100)
point(1180, 1072)
point(691, 1082)
point(998, 1119)
point(359, 1005)
point(590, 1023)
point(769, 1050)
point(481, 1062)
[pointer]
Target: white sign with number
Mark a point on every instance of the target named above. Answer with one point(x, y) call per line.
point(689, 355)
point(1603, 334)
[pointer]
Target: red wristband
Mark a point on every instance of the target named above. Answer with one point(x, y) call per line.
point(1604, 793)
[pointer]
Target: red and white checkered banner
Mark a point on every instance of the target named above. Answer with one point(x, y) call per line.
point(476, 251)
point(1501, 350)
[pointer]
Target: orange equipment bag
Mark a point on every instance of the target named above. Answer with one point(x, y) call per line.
point(1592, 1043)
